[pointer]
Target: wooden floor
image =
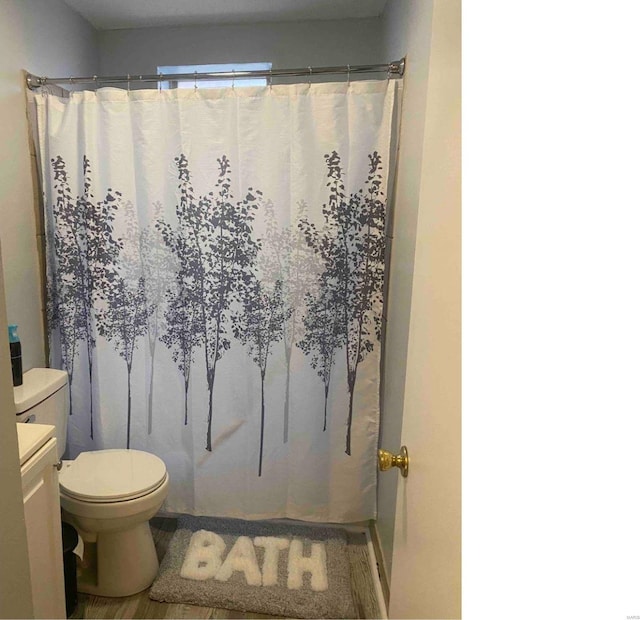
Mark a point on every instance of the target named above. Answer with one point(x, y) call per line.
point(141, 606)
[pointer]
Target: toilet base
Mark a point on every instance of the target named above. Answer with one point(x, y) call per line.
point(120, 558)
point(119, 563)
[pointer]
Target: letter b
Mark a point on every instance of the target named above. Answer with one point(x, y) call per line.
point(203, 557)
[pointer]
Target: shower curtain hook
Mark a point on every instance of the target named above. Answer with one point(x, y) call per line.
point(233, 79)
point(195, 80)
point(348, 75)
point(128, 83)
point(310, 72)
point(270, 80)
point(95, 80)
point(160, 81)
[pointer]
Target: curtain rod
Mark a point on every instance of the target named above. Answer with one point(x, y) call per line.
point(395, 68)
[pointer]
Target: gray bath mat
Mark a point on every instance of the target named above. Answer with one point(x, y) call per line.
point(256, 566)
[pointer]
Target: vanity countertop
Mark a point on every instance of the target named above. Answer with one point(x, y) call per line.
point(31, 437)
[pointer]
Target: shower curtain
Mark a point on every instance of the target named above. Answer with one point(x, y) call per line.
point(215, 270)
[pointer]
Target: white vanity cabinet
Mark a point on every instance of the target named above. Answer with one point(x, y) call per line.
point(40, 492)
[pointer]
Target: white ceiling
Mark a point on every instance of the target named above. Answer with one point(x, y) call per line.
point(118, 14)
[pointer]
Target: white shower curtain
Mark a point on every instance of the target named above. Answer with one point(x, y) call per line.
point(215, 265)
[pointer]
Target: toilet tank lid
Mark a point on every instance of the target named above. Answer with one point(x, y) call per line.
point(37, 384)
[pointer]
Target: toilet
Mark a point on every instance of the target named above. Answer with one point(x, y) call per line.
point(107, 495)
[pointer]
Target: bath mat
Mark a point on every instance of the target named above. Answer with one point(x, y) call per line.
point(286, 570)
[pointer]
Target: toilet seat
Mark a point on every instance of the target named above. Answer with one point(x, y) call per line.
point(108, 476)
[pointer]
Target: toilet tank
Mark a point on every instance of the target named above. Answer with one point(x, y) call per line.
point(43, 398)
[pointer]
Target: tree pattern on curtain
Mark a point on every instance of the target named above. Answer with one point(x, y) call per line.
point(207, 283)
point(352, 246)
point(159, 267)
point(85, 254)
point(287, 257)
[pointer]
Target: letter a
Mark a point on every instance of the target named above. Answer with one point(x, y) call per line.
point(316, 564)
point(203, 557)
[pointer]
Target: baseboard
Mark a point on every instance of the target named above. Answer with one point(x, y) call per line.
point(382, 567)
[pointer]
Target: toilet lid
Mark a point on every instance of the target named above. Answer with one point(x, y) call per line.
point(112, 475)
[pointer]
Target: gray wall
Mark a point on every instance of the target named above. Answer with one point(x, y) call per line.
point(406, 31)
point(286, 45)
point(44, 37)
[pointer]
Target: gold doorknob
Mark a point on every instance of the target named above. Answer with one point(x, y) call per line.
point(386, 460)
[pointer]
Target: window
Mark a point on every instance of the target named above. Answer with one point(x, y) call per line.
point(247, 66)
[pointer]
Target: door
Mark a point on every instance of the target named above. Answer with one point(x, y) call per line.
point(425, 581)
